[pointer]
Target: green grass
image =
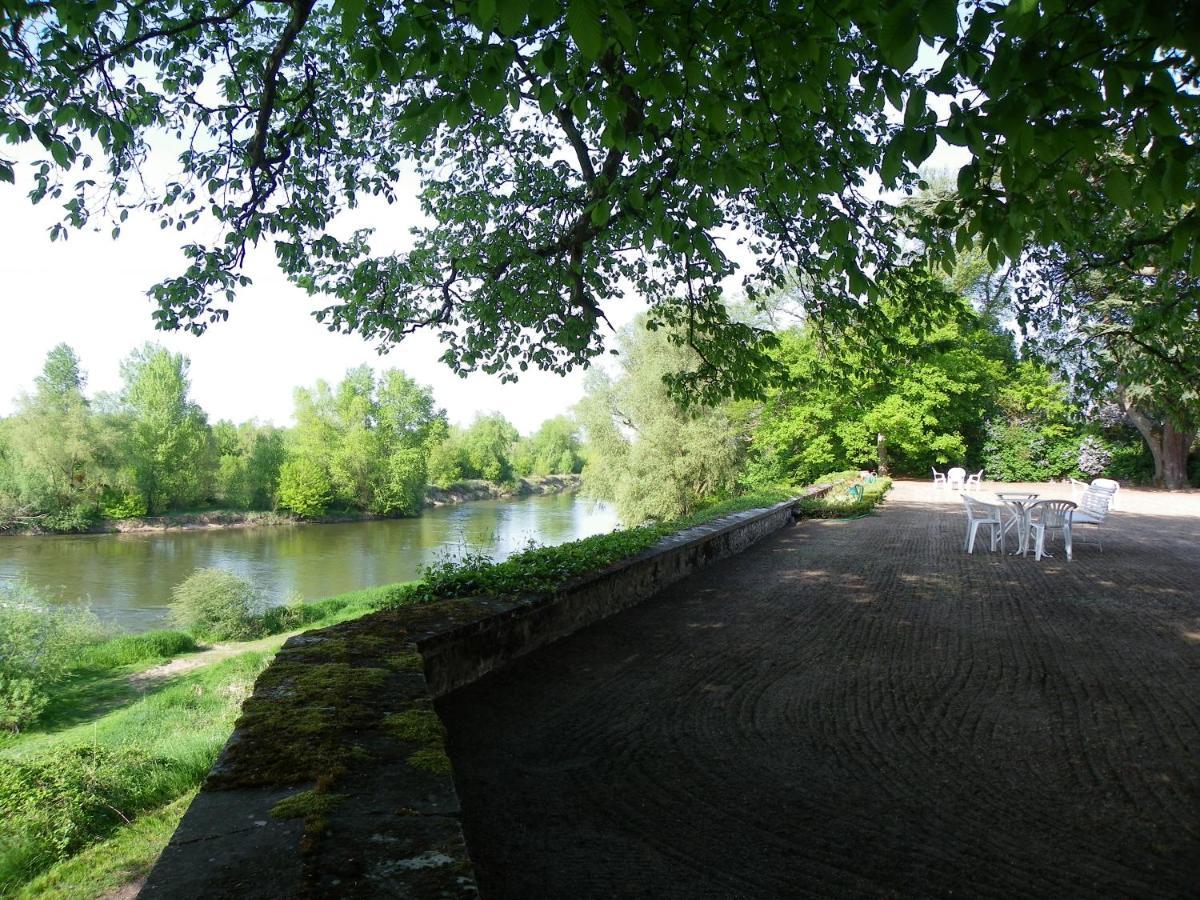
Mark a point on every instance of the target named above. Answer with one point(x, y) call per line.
point(110, 864)
point(131, 649)
point(68, 789)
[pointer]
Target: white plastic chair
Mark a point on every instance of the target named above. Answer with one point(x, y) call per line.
point(978, 515)
point(974, 482)
point(939, 479)
point(955, 478)
point(1093, 509)
point(1050, 515)
point(1107, 484)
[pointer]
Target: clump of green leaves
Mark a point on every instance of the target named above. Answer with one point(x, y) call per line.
point(59, 802)
point(38, 647)
point(217, 605)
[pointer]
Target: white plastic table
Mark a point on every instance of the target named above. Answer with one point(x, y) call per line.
point(1020, 502)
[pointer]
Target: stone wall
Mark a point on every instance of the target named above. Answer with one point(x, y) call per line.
point(335, 782)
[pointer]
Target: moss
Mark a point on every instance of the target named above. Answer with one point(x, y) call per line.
point(431, 759)
point(304, 804)
point(419, 725)
point(406, 662)
point(300, 724)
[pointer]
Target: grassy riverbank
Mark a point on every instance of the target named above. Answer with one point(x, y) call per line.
point(94, 789)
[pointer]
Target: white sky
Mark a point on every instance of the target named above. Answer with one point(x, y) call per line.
point(89, 291)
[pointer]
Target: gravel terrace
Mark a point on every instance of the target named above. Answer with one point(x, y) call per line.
point(858, 708)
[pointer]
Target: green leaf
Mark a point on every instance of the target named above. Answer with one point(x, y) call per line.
point(483, 14)
point(583, 22)
point(939, 18)
point(601, 214)
point(512, 15)
point(1116, 185)
point(352, 14)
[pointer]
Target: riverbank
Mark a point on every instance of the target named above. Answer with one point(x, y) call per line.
point(460, 492)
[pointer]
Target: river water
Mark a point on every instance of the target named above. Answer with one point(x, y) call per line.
point(126, 579)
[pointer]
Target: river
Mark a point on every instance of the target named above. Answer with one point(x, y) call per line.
point(126, 579)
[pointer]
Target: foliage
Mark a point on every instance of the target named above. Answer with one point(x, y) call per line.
point(64, 800)
point(651, 457)
point(52, 465)
point(902, 396)
point(38, 646)
point(1094, 457)
point(166, 434)
point(556, 137)
point(217, 605)
point(839, 503)
point(554, 449)
point(487, 444)
point(63, 791)
point(109, 866)
point(1035, 433)
point(304, 487)
point(368, 437)
point(249, 457)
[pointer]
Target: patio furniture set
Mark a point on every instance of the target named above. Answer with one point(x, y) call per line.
point(957, 479)
point(1034, 519)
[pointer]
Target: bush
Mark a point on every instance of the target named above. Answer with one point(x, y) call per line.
point(64, 800)
point(128, 504)
point(1094, 456)
point(218, 605)
point(304, 487)
point(38, 647)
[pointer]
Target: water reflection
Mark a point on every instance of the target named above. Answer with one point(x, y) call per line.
point(127, 578)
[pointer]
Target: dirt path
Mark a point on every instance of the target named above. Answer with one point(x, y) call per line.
point(181, 664)
point(857, 709)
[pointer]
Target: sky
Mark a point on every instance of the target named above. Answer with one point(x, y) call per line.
point(89, 291)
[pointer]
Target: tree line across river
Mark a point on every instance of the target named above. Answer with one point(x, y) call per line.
point(370, 443)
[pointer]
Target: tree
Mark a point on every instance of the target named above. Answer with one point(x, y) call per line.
point(304, 487)
point(647, 454)
point(902, 397)
point(367, 435)
point(167, 434)
point(1035, 433)
point(569, 148)
point(553, 449)
point(1121, 311)
point(54, 465)
point(487, 445)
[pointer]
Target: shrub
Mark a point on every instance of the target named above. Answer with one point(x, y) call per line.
point(304, 487)
point(217, 605)
point(1094, 456)
point(840, 504)
point(59, 802)
point(38, 646)
point(127, 504)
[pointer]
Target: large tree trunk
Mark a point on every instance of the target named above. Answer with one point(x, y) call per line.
point(881, 454)
point(1168, 445)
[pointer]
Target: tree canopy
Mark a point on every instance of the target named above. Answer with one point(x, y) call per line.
point(570, 149)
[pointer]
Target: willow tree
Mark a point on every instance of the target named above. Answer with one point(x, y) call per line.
point(569, 149)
